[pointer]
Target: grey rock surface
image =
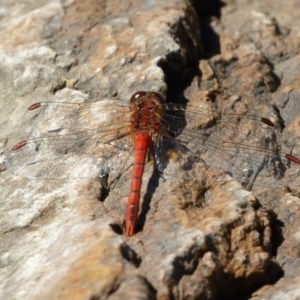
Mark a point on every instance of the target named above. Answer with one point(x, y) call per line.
point(222, 220)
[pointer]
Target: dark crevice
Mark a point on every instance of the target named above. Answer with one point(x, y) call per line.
point(130, 255)
point(277, 232)
point(197, 40)
point(206, 10)
point(117, 228)
point(180, 68)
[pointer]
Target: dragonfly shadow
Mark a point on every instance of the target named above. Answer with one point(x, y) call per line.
point(151, 188)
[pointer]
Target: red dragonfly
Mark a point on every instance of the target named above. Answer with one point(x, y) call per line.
point(147, 124)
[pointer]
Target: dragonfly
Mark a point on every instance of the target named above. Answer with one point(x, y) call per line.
point(147, 125)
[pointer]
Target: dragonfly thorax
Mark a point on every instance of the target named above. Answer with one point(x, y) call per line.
point(146, 112)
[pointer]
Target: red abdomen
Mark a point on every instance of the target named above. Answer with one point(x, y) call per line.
point(142, 143)
point(146, 114)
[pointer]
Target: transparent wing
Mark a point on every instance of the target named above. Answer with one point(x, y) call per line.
point(92, 135)
point(97, 135)
point(243, 145)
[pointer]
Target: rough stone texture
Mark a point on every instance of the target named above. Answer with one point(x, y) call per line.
point(202, 235)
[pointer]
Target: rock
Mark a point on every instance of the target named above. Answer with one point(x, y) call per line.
point(220, 222)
